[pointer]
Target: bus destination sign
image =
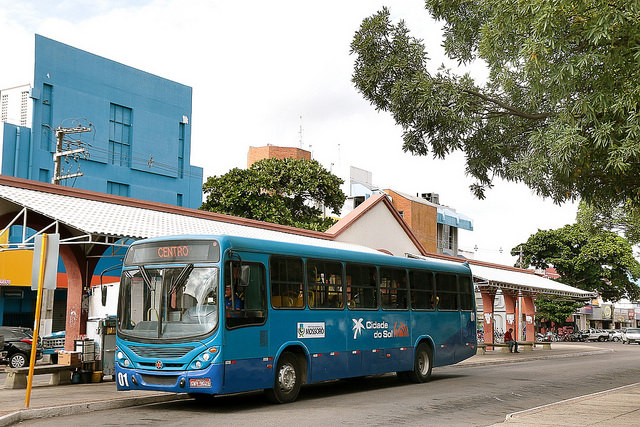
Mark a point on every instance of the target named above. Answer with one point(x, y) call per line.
point(174, 251)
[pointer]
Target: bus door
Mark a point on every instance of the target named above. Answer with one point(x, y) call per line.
point(245, 346)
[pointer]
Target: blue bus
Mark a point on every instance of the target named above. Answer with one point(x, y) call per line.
point(209, 315)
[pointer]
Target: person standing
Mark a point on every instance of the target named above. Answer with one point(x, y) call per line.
point(508, 339)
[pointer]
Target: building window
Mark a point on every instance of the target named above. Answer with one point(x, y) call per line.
point(43, 176)
point(118, 189)
point(120, 126)
point(24, 98)
point(5, 108)
point(181, 150)
point(47, 106)
point(179, 200)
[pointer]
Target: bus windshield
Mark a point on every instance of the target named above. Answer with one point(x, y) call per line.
point(168, 302)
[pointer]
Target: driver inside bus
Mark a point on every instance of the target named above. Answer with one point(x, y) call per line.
point(235, 303)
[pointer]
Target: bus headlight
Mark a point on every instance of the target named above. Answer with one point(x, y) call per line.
point(205, 358)
point(126, 362)
point(120, 355)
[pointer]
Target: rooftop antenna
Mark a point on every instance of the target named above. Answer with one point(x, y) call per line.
point(300, 133)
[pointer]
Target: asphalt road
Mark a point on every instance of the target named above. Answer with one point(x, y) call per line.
point(456, 396)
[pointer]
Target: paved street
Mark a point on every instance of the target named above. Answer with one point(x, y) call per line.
point(479, 393)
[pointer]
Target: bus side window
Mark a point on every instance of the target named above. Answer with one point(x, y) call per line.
point(421, 283)
point(324, 284)
point(447, 291)
point(362, 287)
point(393, 288)
point(245, 303)
point(286, 282)
point(467, 296)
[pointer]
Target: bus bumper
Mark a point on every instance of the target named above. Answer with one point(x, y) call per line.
point(208, 381)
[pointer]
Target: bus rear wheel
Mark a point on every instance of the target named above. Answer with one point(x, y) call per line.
point(422, 364)
point(288, 381)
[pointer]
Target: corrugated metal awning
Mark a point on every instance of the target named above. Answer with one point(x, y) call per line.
point(525, 282)
point(95, 218)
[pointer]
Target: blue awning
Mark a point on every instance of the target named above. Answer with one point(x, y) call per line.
point(454, 219)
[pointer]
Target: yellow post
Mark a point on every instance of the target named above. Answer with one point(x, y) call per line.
point(36, 328)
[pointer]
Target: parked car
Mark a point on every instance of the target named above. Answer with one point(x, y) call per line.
point(596, 335)
point(17, 343)
point(631, 335)
point(53, 344)
point(615, 335)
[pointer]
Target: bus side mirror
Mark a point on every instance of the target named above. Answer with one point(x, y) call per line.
point(103, 295)
point(245, 275)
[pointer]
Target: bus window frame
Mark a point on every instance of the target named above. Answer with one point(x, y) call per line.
point(343, 293)
point(406, 288)
point(456, 293)
point(433, 289)
point(377, 285)
point(269, 281)
point(223, 304)
point(473, 296)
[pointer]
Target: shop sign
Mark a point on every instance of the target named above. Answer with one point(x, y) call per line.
point(587, 309)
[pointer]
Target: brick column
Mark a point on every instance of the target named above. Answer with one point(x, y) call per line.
point(530, 317)
point(76, 314)
point(488, 298)
point(510, 308)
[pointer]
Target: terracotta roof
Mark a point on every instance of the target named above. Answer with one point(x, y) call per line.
point(353, 216)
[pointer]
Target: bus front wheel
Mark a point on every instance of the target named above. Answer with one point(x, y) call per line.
point(422, 364)
point(288, 381)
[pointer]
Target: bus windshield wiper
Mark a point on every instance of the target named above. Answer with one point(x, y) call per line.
point(145, 277)
point(182, 277)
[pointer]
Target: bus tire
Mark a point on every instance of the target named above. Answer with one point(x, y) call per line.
point(422, 364)
point(288, 380)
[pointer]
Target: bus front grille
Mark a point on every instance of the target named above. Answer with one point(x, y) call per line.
point(159, 379)
point(161, 352)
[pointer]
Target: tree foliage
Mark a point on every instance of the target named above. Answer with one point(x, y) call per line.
point(560, 110)
point(555, 309)
point(283, 191)
point(623, 218)
point(602, 262)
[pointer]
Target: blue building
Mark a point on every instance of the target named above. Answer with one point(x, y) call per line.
point(140, 140)
point(138, 144)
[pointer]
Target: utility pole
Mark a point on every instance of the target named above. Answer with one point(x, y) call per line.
point(57, 156)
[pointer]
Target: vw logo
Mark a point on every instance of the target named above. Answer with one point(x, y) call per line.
point(159, 364)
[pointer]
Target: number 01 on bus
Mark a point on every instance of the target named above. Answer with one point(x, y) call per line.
point(209, 315)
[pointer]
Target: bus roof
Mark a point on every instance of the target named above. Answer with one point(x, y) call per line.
point(318, 248)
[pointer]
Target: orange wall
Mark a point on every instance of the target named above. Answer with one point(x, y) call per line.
point(421, 218)
point(273, 152)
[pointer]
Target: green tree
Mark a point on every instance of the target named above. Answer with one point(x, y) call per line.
point(623, 218)
point(602, 262)
point(559, 111)
point(283, 191)
point(555, 309)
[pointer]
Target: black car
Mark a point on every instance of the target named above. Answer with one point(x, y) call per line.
point(17, 344)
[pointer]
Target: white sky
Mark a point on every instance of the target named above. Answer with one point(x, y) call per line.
point(256, 67)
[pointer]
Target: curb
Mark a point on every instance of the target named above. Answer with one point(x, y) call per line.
point(79, 408)
point(514, 415)
point(522, 360)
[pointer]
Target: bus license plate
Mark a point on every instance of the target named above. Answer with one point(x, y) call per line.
point(199, 382)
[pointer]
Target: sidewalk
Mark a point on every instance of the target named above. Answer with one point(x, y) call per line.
point(51, 401)
point(622, 405)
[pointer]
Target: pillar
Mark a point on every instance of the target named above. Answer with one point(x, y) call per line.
point(76, 323)
point(529, 310)
point(510, 299)
point(488, 298)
